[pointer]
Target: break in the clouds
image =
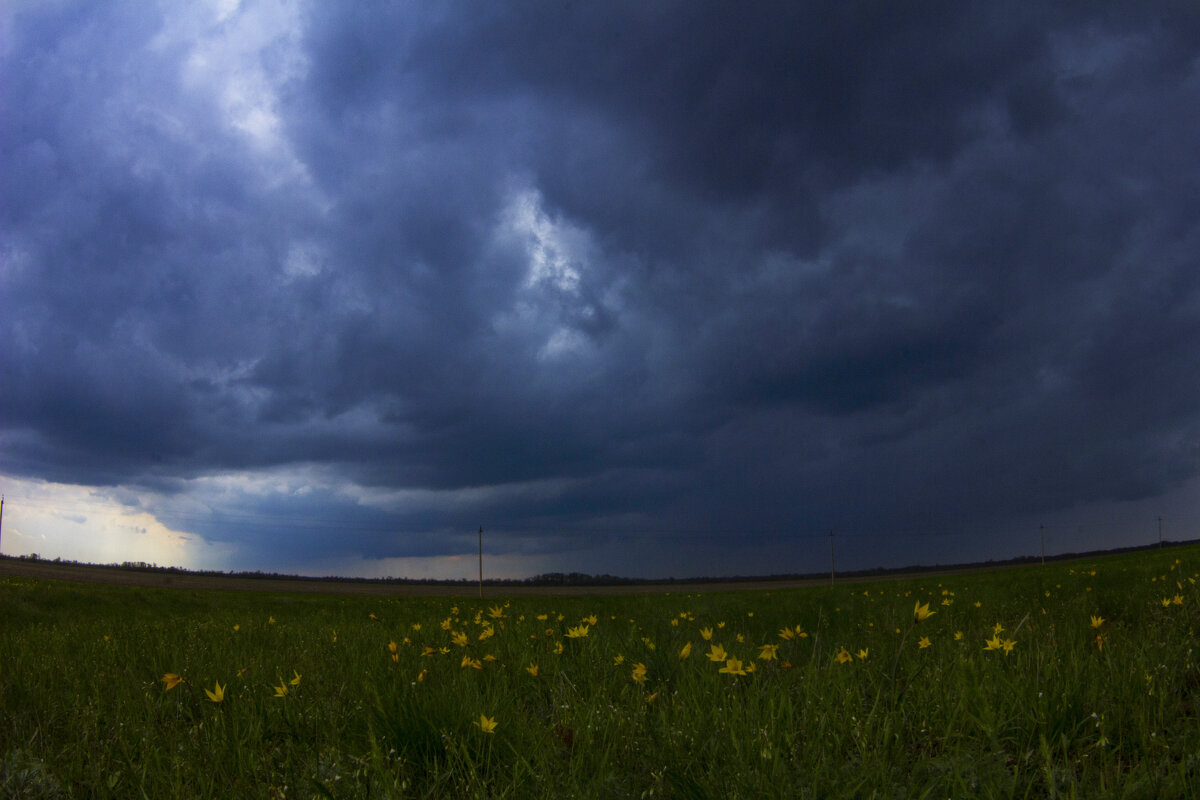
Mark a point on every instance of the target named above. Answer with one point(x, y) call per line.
point(649, 288)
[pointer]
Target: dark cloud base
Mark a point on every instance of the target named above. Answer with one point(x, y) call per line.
point(607, 268)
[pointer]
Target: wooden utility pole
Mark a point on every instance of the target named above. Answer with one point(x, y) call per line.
point(1, 518)
point(480, 562)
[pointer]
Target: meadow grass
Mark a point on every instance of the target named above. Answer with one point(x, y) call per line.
point(1073, 679)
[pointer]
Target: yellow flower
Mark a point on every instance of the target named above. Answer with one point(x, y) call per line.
point(958, 636)
point(170, 680)
point(720, 624)
point(844, 656)
point(685, 651)
point(416, 626)
point(1177, 600)
point(237, 628)
point(295, 681)
point(461, 639)
point(639, 672)
point(393, 648)
point(542, 617)
point(766, 652)
point(443, 650)
point(978, 604)
point(786, 633)
point(1099, 641)
point(487, 633)
point(473, 663)
point(590, 619)
point(421, 676)
point(558, 648)
point(717, 653)
point(1097, 621)
point(993, 643)
point(446, 624)
point(674, 623)
point(706, 634)
point(372, 616)
point(921, 612)
point(485, 724)
point(997, 629)
point(732, 666)
point(217, 694)
point(1166, 602)
point(281, 690)
point(496, 612)
point(618, 660)
point(270, 620)
point(800, 632)
point(1008, 645)
point(532, 670)
point(862, 654)
point(923, 643)
point(578, 632)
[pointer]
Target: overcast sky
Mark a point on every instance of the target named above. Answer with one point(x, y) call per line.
point(647, 288)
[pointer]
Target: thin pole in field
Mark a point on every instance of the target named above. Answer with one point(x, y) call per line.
point(1, 515)
point(480, 562)
point(832, 570)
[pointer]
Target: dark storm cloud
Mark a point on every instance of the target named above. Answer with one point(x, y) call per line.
point(605, 268)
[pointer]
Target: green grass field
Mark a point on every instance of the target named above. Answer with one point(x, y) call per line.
point(1075, 679)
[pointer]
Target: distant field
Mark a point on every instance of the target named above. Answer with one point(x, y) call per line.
point(119, 576)
point(122, 576)
point(1072, 679)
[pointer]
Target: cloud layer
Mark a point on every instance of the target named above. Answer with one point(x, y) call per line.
point(361, 278)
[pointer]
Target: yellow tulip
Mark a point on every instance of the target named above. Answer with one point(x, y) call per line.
point(733, 666)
